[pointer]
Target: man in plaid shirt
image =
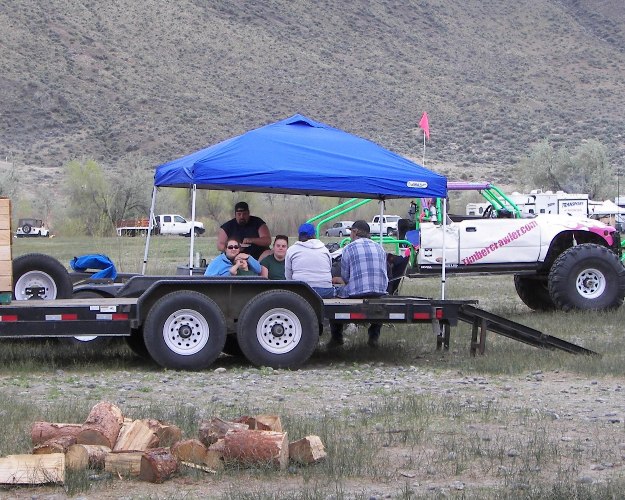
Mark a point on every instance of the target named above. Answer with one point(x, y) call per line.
point(363, 270)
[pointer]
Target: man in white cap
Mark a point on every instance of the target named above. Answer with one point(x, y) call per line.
point(310, 261)
point(363, 269)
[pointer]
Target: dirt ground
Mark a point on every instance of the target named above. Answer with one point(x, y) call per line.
point(572, 426)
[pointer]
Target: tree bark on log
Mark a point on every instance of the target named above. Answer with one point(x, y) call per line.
point(43, 431)
point(102, 425)
point(308, 450)
point(123, 463)
point(157, 465)
point(252, 447)
point(136, 435)
point(216, 428)
point(86, 456)
point(55, 445)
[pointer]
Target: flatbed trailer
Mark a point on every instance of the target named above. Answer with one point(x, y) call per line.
point(186, 322)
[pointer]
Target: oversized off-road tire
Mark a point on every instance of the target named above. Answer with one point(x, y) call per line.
point(185, 330)
point(587, 276)
point(278, 328)
point(534, 292)
point(39, 270)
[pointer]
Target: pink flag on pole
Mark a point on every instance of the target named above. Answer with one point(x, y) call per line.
point(425, 125)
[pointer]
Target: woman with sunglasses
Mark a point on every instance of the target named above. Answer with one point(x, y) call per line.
point(233, 262)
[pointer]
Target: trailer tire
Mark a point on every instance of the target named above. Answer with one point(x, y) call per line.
point(136, 343)
point(587, 277)
point(278, 329)
point(37, 269)
point(534, 292)
point(91, 343)
point(185, 330)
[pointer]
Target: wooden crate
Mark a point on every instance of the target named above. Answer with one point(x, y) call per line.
point(6, 268)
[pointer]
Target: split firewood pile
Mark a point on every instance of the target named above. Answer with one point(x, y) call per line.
point(151, 450)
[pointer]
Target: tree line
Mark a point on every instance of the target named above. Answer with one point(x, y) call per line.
point(95, 198)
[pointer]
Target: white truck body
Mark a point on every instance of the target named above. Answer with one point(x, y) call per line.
point(389, 224)
point(177, 224)
point(162, 224)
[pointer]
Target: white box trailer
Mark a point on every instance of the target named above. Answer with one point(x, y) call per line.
point(548, 202)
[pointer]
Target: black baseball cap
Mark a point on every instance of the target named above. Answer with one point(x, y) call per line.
point(361, 226)
point(241, 207)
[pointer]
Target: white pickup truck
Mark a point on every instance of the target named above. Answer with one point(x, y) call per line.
point(163, 224)
point(389, 225)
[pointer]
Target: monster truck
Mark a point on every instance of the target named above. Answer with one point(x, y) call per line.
point(558, 261)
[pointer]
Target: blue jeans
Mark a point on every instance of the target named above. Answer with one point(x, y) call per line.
point(325, 293)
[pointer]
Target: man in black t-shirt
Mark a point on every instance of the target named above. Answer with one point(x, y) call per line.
point(250, 230)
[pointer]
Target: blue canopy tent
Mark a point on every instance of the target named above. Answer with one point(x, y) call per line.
point(299, 156)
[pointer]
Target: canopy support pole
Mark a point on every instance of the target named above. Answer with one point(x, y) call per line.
point(443, 276)
point(150, 229)
point(193, 199)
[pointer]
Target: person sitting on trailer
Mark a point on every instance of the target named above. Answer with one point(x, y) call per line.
point(309, 260)
point(250, 230)
point(233, 262)
point(364, 272)
point(274, 262)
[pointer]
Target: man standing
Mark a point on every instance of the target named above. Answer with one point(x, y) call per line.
point(250, 230)
point(309, 260)
point(363, 269)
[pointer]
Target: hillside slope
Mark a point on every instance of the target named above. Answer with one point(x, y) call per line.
point(104, 79)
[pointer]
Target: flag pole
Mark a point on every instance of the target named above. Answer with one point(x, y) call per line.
point(423, 162)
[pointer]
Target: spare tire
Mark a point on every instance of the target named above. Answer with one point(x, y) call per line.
point(26, 229)
point(36, 270)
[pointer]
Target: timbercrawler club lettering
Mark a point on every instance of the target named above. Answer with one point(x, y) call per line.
point(511, 236)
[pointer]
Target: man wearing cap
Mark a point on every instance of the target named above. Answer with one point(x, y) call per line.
point(363, 269)
point(250, 230)
point(309, 260)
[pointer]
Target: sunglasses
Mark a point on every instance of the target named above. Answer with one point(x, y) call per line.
point(233, 247)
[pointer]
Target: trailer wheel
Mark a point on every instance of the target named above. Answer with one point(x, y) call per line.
point(278, 329)
point(92, 343)
point(534, 292)
point(39, 270)
point(185, 330)
point(136, 343)
point(587, 276)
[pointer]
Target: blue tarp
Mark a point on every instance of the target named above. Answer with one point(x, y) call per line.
point(94, 261)
point(301, 156)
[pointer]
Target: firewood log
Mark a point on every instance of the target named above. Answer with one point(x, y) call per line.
point(32, 469)
point(136, 435)
point(252, 447)
point(102, 425)
point(157, 465)
point(190, 450)
point(308, 450)
point(167, 434)
point(268, 423)
point(85, 456)
point(55, 445)
point(123, 463)
point(43, 431)
point(216, 428)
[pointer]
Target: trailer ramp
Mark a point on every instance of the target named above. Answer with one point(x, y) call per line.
point(482, 321)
